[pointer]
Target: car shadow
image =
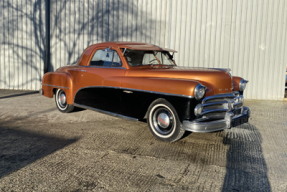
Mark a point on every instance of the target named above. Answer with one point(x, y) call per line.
point(246, 169)
point(77, 109)
point(8, 92)
point(19, 148)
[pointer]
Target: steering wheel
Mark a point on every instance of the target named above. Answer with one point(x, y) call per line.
point(152, 61)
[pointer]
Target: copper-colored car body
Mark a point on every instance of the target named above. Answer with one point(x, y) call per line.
point(128, 91)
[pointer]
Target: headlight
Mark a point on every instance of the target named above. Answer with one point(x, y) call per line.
point(199, 91)
point(242, 84)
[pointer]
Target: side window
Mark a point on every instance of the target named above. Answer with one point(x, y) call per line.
point(116, 60)
point(106, 59)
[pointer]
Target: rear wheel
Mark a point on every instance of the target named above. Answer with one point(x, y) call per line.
point(163, 121)
point(61, 102)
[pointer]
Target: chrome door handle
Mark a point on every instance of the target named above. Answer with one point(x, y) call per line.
point(126, 91)
point(83, 70)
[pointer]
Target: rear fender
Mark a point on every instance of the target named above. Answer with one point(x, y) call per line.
point(58, 80)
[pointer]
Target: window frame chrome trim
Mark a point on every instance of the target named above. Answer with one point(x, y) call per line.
point(92, 66)
point(101, 48)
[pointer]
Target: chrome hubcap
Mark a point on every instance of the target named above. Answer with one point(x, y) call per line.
point(62, 99)
point(162, 121)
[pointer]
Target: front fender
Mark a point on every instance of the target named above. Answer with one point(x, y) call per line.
point(177, 87)
point(235, 81)
point(57, 80)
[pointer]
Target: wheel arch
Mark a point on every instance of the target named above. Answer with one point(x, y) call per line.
point(182, 105)
point(164, 122)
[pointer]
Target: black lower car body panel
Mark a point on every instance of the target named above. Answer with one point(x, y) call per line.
point(129, 103)
point(107, 99)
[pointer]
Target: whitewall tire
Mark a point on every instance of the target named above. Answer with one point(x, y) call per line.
point(163, 121)
point(61, 102)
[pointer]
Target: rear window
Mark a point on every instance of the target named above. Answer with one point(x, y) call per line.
point(106, 58)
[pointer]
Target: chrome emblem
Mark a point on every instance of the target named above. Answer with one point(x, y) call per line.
point(163, 120)
point(63, 99)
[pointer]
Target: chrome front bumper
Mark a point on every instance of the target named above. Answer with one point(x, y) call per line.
point(211, 126)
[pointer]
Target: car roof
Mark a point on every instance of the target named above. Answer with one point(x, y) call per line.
point(135, 46)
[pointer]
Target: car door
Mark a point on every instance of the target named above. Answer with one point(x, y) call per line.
point(100, 82)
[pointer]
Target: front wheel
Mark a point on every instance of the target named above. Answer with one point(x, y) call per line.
point(163, 121)
point(61, 102)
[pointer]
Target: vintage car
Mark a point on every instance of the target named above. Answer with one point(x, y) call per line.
point(141, 81)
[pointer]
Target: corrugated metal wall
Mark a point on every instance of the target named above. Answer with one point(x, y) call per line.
point(78, 24)
point(247, 36)
point(22, 37)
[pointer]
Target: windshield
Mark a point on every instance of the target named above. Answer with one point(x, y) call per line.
point(137, 57)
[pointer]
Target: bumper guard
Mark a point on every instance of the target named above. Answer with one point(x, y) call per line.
point(217, 125)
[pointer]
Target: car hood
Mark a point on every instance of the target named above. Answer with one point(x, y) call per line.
point(217, 81)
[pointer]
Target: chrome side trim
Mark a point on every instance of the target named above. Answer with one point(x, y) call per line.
point(106, 112)
point(56, 86)
point(128, 89)
point(161, 93)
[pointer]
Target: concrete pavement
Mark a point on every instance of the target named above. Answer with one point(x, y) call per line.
point(42, 149)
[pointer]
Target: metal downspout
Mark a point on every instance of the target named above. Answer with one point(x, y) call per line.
point(47, 43)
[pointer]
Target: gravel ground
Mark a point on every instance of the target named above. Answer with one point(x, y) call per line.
point(42, 149)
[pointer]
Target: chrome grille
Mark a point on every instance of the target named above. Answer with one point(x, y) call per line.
point(218, 105)
point(217, 100)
